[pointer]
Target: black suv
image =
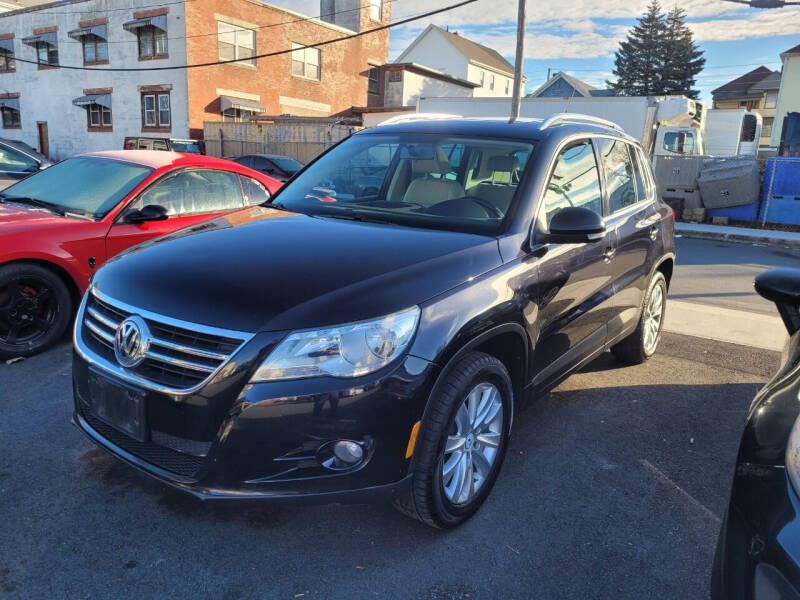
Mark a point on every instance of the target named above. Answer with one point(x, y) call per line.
point(343, 342)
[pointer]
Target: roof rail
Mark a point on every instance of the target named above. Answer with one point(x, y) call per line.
point(567, 118)
point(418, 117)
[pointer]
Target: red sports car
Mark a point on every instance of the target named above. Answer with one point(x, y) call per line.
point(58, 226)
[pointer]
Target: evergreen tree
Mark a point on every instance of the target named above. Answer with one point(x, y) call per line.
point(683, 61)
point(637, 63)
point(658, 57)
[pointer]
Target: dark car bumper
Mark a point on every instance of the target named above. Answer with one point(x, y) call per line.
point(268, 440)
point(758, 553)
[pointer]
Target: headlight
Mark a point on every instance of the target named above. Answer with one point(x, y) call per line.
point(793, 456)
point(344, 351)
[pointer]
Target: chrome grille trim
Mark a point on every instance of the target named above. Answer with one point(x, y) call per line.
point(177, 360)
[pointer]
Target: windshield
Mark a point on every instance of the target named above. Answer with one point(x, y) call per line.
point(420, 180)
point(86, 185)
point(186, 146)
point(287, 165)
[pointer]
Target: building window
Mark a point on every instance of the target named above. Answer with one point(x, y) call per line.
point(373, 86)
point(156, 112)
point(766, 127)
point(491, 82)
point(305, 61)
point(10, 118)
point(771, 100)
point(152, 42)
point(395, 76)
point(95, 50)
point(507, 82)
point(233, 115)
point(376, 10)
point(46, 54)
point(7, 62)
point(481, 78)
point(236, 43)
point(99, 116)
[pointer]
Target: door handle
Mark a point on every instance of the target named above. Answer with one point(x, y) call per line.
point(608, 254)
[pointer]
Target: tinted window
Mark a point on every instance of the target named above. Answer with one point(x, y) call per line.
point(287, 165)
point(11, 160)
point(254, 192)
point(247, 161)
point(640, 173)
point(619, 173)
point(83, 184)
point(261, 164)
point(575, 181)
point(194, 192)
point(410, 179)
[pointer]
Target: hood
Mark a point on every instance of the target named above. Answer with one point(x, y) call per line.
point(262, 269)
point(14, 217)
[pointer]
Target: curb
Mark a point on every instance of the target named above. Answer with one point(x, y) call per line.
point(740, 238)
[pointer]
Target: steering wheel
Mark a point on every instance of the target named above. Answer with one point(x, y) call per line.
point(455, 206)
point(490, 208)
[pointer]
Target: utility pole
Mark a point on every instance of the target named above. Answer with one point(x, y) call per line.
point(515, 100)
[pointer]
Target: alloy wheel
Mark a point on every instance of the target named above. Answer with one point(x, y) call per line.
point(473, 444)
point(28, 308)
point(653, 315)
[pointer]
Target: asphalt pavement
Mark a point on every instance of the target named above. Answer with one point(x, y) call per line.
point(613, 487)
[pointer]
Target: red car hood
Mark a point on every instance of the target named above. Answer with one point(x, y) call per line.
point(13, 216)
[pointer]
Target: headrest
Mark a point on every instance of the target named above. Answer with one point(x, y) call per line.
point(503, 164)
point(440, 164)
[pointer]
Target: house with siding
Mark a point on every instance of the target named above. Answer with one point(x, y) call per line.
point(562, 85)
point(789, 93)
point(459, 57)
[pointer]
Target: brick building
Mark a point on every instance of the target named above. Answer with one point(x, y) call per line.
point(65, 111)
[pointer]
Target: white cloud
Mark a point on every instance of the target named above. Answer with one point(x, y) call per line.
point(758, 24)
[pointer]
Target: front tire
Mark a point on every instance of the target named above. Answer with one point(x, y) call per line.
point(35, 309)
point(640, 345)
point(462, 443)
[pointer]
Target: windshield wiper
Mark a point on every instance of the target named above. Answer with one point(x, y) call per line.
point(59, 210)
point(354, 217)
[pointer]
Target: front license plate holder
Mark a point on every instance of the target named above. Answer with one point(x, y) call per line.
point(119, 405)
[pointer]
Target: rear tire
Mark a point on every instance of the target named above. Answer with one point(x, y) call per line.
point(640, 345)
point(35, 309)
point(461, 443)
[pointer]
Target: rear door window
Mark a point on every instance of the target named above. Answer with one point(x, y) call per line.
point(619, 173)
point(194, 192)
point(575, 181)
point(254, 192)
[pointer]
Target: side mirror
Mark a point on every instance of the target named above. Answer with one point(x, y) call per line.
point(782, 286)
point(151, 212)
point(576, 225)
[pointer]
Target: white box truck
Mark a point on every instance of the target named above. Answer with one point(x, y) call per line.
point(665, 125)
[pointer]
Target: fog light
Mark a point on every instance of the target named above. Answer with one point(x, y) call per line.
point(348, 452)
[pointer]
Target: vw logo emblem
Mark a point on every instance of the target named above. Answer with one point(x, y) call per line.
point(131, 341)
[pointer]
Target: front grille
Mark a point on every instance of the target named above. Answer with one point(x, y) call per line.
point(178, 463)
point(177, 358)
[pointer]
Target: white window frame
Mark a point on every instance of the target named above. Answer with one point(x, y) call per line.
point(301, 54)
point(100, 112)
point(376, 10)
point(156, 121)
point(239, 34)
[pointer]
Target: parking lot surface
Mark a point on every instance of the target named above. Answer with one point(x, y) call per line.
point(613, 487)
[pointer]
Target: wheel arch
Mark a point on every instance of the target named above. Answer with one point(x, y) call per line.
point(666, 266)
point(58, 270)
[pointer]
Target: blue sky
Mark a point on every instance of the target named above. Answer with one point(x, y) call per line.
point(580, 36)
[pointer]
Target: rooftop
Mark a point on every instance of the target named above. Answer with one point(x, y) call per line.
point(741, 86)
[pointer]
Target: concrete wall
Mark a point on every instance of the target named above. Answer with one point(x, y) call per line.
point(344, 65)
point(789, 95)
point(499, 91)
point(46, 95)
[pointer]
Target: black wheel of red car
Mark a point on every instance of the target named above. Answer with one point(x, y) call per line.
point(35, 309)
point(461, 443)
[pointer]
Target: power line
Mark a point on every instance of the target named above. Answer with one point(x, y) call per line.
point(240, 28)
point(268, 54)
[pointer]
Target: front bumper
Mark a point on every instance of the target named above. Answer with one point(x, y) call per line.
point(758, 553)
point(236, 440)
